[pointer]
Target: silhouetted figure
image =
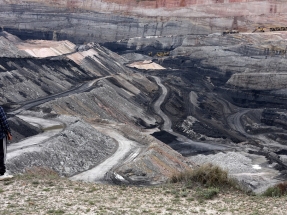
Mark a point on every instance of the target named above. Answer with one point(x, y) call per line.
point(5, 134)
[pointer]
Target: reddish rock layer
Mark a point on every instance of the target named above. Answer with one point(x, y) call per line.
point(121, 19)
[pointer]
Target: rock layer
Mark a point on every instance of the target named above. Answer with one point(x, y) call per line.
point(102, 21)
point(25, 77)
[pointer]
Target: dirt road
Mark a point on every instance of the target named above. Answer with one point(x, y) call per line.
point(183, 145)
point(126, 151)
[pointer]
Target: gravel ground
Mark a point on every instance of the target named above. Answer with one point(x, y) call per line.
point(77, 148)
point(42, 194)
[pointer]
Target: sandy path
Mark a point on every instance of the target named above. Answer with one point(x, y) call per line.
point(127, 151)
point(167, 123)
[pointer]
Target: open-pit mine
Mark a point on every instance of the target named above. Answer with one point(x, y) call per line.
point(132, 92)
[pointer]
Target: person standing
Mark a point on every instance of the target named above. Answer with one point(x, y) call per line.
point(5, 134)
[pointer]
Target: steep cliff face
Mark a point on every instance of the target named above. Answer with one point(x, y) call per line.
point(265, 6)
point(101, 21)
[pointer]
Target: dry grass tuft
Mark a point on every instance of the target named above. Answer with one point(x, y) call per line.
point(40, 173)
point(207, 175)
point(278, 190)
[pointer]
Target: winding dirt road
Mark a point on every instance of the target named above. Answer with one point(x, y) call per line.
point(127, 150)
point(183, 145)
point(234, 122)
point(78, 89)
point(166, 121)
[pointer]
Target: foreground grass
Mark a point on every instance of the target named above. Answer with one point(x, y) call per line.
point(53, 195)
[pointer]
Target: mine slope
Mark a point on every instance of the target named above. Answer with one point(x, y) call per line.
point(199, 77)
point(79, 147)
point(222, 88)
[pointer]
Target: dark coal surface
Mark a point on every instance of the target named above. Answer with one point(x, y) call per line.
point(184, 148)
point(282, 152)
point(164, 137)
point(188, 149)
point(21, 129)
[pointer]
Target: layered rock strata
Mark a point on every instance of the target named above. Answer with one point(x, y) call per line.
point(34, 69)
point(107, 102)
point(102, 21)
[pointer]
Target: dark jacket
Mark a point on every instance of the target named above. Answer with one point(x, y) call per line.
point(4, 128)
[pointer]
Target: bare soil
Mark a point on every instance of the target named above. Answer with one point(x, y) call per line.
point(49, 194)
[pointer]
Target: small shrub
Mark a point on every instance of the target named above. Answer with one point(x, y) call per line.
point(190, 199)
point(91, 203)
point(210, 176)
point(184, 194)
point(277, 190)
point(50, 183)
point(283, 187)
point(182, 176)
point(207, 175)
point(79, 189)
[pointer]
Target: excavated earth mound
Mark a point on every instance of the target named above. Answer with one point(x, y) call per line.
point(78, 148)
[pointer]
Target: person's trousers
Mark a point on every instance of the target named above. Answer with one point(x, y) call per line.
point(3, 152)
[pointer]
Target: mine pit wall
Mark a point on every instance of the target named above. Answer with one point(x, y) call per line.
point(85, 21)
point(105, 101)
point(253, 98)
point(24, 77)
point(265, 6)
point(149, 45)
point(275, 117)
point(39, 20)
point(86, 27)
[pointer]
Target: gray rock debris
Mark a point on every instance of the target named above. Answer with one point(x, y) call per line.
point(251, 171)
point(78, 148)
